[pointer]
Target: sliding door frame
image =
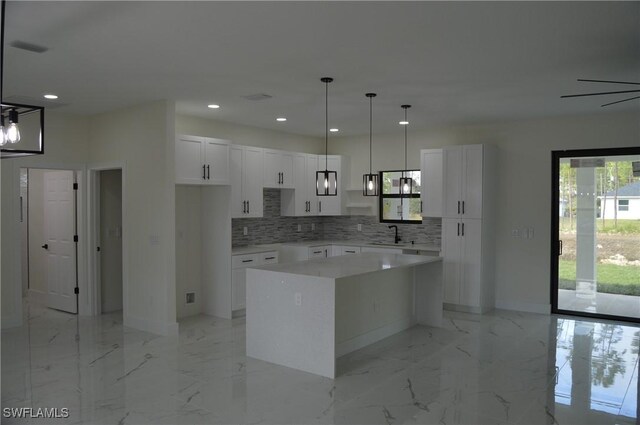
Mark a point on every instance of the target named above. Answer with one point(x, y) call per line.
point(556, 156)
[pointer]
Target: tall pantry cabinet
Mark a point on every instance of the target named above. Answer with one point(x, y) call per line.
point(468, 227)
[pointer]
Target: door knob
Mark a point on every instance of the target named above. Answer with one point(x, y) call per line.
point(45, 246)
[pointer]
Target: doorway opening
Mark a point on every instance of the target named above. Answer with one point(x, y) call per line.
point(108, 258)
point(595, 252)
point(49, 234)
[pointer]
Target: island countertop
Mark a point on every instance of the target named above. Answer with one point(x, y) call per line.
point(349, 265)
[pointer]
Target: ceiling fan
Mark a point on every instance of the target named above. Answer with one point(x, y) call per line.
point(607, 92)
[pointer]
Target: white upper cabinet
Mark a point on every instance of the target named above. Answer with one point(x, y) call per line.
point(302, 200)
point(201, 160)
point(431, 182)
point(247, 173)
point(462, 181)
point(278, 169)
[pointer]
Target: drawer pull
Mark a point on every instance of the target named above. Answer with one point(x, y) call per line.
point(247, 261)
point(317, 252)
point(351, 252)
point(269, 258)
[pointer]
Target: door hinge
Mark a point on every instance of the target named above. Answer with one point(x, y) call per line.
point(75, 238)
point(75, 186)
point(76, 290)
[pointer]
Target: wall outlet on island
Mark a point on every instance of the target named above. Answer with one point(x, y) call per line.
point(359, 227)
point(245, 231)
point(298, 299)
point(299, 227)
point(313, 226)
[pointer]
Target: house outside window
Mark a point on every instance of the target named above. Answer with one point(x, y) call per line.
point(623, 205)
point(393, 207)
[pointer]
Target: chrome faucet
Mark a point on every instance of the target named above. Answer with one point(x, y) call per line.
point(396, 239)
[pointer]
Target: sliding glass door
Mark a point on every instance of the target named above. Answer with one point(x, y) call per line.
point(596, 233)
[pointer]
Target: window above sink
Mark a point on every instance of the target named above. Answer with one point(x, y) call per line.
point(395, 208)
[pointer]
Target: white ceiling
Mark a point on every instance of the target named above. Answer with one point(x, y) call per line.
point(455, 62)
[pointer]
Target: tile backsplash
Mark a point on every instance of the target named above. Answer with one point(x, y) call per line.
point(273, 228)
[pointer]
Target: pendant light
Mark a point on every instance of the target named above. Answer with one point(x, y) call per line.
point(10, 113)
point(370, 182)
point(406, 182)
point(326, 181)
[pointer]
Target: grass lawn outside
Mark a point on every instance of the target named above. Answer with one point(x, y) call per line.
point(612, 279)
point(625, 227)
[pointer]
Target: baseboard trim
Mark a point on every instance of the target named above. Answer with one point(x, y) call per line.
point(158, 328)
point(526, 307)
point(370, 337)
point(463, 308)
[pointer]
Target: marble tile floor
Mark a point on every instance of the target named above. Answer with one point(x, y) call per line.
point(500, 368)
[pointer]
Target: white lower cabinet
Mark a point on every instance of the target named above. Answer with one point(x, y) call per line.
point(239, 264)
point(345, 250)
point(462, 264)
point(321, 251)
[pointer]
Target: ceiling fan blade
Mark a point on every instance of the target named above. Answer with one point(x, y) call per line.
point(607, 81)
point(601, 93)
point(620, 101)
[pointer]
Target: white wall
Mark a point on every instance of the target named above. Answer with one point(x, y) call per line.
point(142, 137)
point(524, 190)
point(66, 147)
point(246, 135)
point(633, 213)
point(111, 240)
point(188, 249)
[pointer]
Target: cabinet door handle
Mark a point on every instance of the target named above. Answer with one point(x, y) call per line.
point(458, 207)
point(317, 252)
point(208, 172)
point(458, 229)
point(350, 252)
point(244, 206)
point(462, 207)
point(204, 175)
point(247, 261)
point(269, 258)
point(319, 206)
point(462, 229)
point(248, 210)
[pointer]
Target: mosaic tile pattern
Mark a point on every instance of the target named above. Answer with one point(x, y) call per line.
point(273, 228)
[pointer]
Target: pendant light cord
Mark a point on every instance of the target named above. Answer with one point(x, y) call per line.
point(326, 125)
point(370, 132)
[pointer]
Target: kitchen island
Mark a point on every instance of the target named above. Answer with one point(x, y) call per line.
point(306, 314)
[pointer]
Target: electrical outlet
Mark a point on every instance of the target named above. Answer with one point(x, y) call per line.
point(245, 230)
point(299, 227)
point(515, 233)
point(359, 227)
point(530, 233)
point(313, 226)
point(190, 297)
point(298, 299)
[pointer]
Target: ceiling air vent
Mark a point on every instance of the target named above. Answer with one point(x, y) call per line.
point(259, 96)
point(29, 47)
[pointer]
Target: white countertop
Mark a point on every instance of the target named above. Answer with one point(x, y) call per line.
point(349, 265)
point(255, 249)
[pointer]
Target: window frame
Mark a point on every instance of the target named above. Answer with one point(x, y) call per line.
point(623, 207)
point(382, 197)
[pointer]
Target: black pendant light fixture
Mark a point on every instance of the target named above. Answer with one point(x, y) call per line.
point(370, 183)
point(326, 181)
point(406, 182)
point(10, 114)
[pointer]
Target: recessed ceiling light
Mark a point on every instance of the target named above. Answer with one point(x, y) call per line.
point(281, 119)
point(50, 96)
point(334, 130)
point(403, 122)
point(213, 106)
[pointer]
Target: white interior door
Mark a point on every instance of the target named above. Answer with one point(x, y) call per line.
point(59, 229)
